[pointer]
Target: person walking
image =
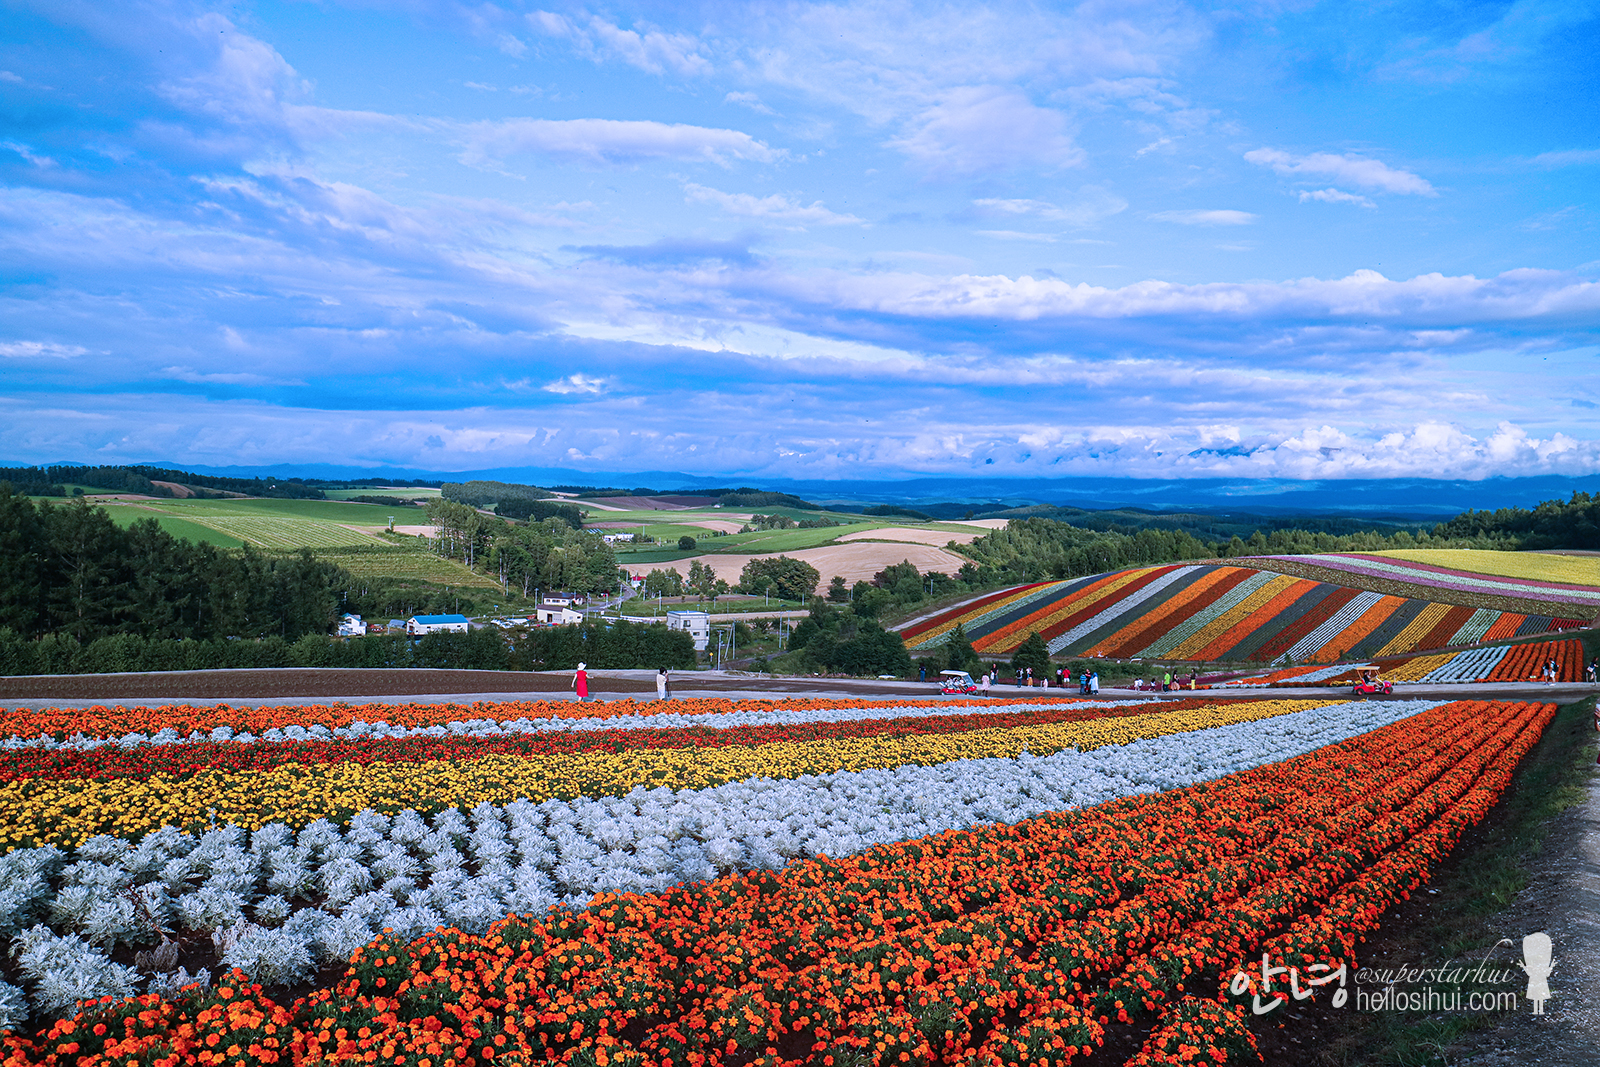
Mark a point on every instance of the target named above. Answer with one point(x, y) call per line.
point(1593, 669)
point(984, 684)
point(1094, 684)
point(663, 685)
point(1166, 682)
point(580, 682)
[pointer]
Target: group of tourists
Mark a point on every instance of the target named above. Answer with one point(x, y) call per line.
point(580, 683)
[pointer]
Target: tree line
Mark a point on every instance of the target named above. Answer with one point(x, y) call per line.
point(69, 570)
point(526, 557)
point(615, 645)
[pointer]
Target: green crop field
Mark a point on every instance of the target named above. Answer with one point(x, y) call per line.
point(415, 564)
point(287, 534)
point(403, 493)
point(124, 515)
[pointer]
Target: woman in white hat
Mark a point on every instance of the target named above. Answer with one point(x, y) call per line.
point(580, 683)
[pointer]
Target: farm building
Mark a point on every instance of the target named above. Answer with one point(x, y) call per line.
point(553, 614)
point(564, 600)
point(437, 624)
point(696, 623)
point(351, 626)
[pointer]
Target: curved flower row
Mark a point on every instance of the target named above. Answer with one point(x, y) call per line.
point(178, 721)
point(68, 811)
point(1211, 612)
point(243, 753)
point(1498, 663)
point(1422, 573)
point(488, 728)
point(319, 894)
point(1001, 944)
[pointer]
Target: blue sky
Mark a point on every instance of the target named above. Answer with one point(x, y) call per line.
point(1277, 240)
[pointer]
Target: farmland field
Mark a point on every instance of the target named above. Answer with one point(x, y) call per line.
point(186, 529)
point(1016, 882)
point(417, 563)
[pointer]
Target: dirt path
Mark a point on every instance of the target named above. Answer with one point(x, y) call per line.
point(1564, 901)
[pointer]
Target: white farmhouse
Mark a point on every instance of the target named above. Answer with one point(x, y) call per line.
point(437, 624)
point(554, 614)
point(351, 626)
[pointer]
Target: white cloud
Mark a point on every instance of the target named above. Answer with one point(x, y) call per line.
point(1093, 204)
point(1018, 235)
point(577, 383)
point(40, 350)
point(1203, 217)
point(188, 374)
point(7, 76)
point(652, 50)
point(1335, 196)
point(986, 127)
point(777, 207)
point(608, 141)
point(749, 100)
point(1572, 158)
point(1353, 170)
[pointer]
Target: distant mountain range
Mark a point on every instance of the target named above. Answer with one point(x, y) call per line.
point(1408, 498)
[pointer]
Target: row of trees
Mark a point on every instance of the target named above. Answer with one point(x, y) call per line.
point(69, 570)
point(1036, 549)
point(618, 645)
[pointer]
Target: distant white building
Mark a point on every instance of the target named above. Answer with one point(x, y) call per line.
point(696, 623)
point(553, 614)
point(565, 600)
point(351, 626)
point(437, 624)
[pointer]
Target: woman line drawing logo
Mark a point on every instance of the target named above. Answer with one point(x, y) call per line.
point(1537, 962)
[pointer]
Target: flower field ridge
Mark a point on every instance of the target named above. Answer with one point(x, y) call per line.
point(1214, 611)
point(997, 944)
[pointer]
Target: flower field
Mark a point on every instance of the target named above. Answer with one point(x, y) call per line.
point(703, 882)
point(1496, 663)
point(1214, 612)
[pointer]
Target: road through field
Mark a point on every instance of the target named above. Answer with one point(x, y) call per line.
point(310, 685)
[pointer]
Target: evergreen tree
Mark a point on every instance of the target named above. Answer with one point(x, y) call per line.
point(1032, 653)
point(958, 653)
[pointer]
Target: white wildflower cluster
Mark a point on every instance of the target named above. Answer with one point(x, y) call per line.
point(487, 728)
point(278, 903)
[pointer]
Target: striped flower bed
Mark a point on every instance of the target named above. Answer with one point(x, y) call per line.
point(1418, 573)
point(1002, 897)
point(1218, 612)
point(1498, 663)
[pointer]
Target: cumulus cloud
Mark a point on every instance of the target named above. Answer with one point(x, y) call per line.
point(777, 207)
point(607, 141)
point(1204, 217)
point(1353, 170)
point(1335, 196)
point(986, 127)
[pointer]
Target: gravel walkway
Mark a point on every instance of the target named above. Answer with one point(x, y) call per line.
point(1563, 900)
